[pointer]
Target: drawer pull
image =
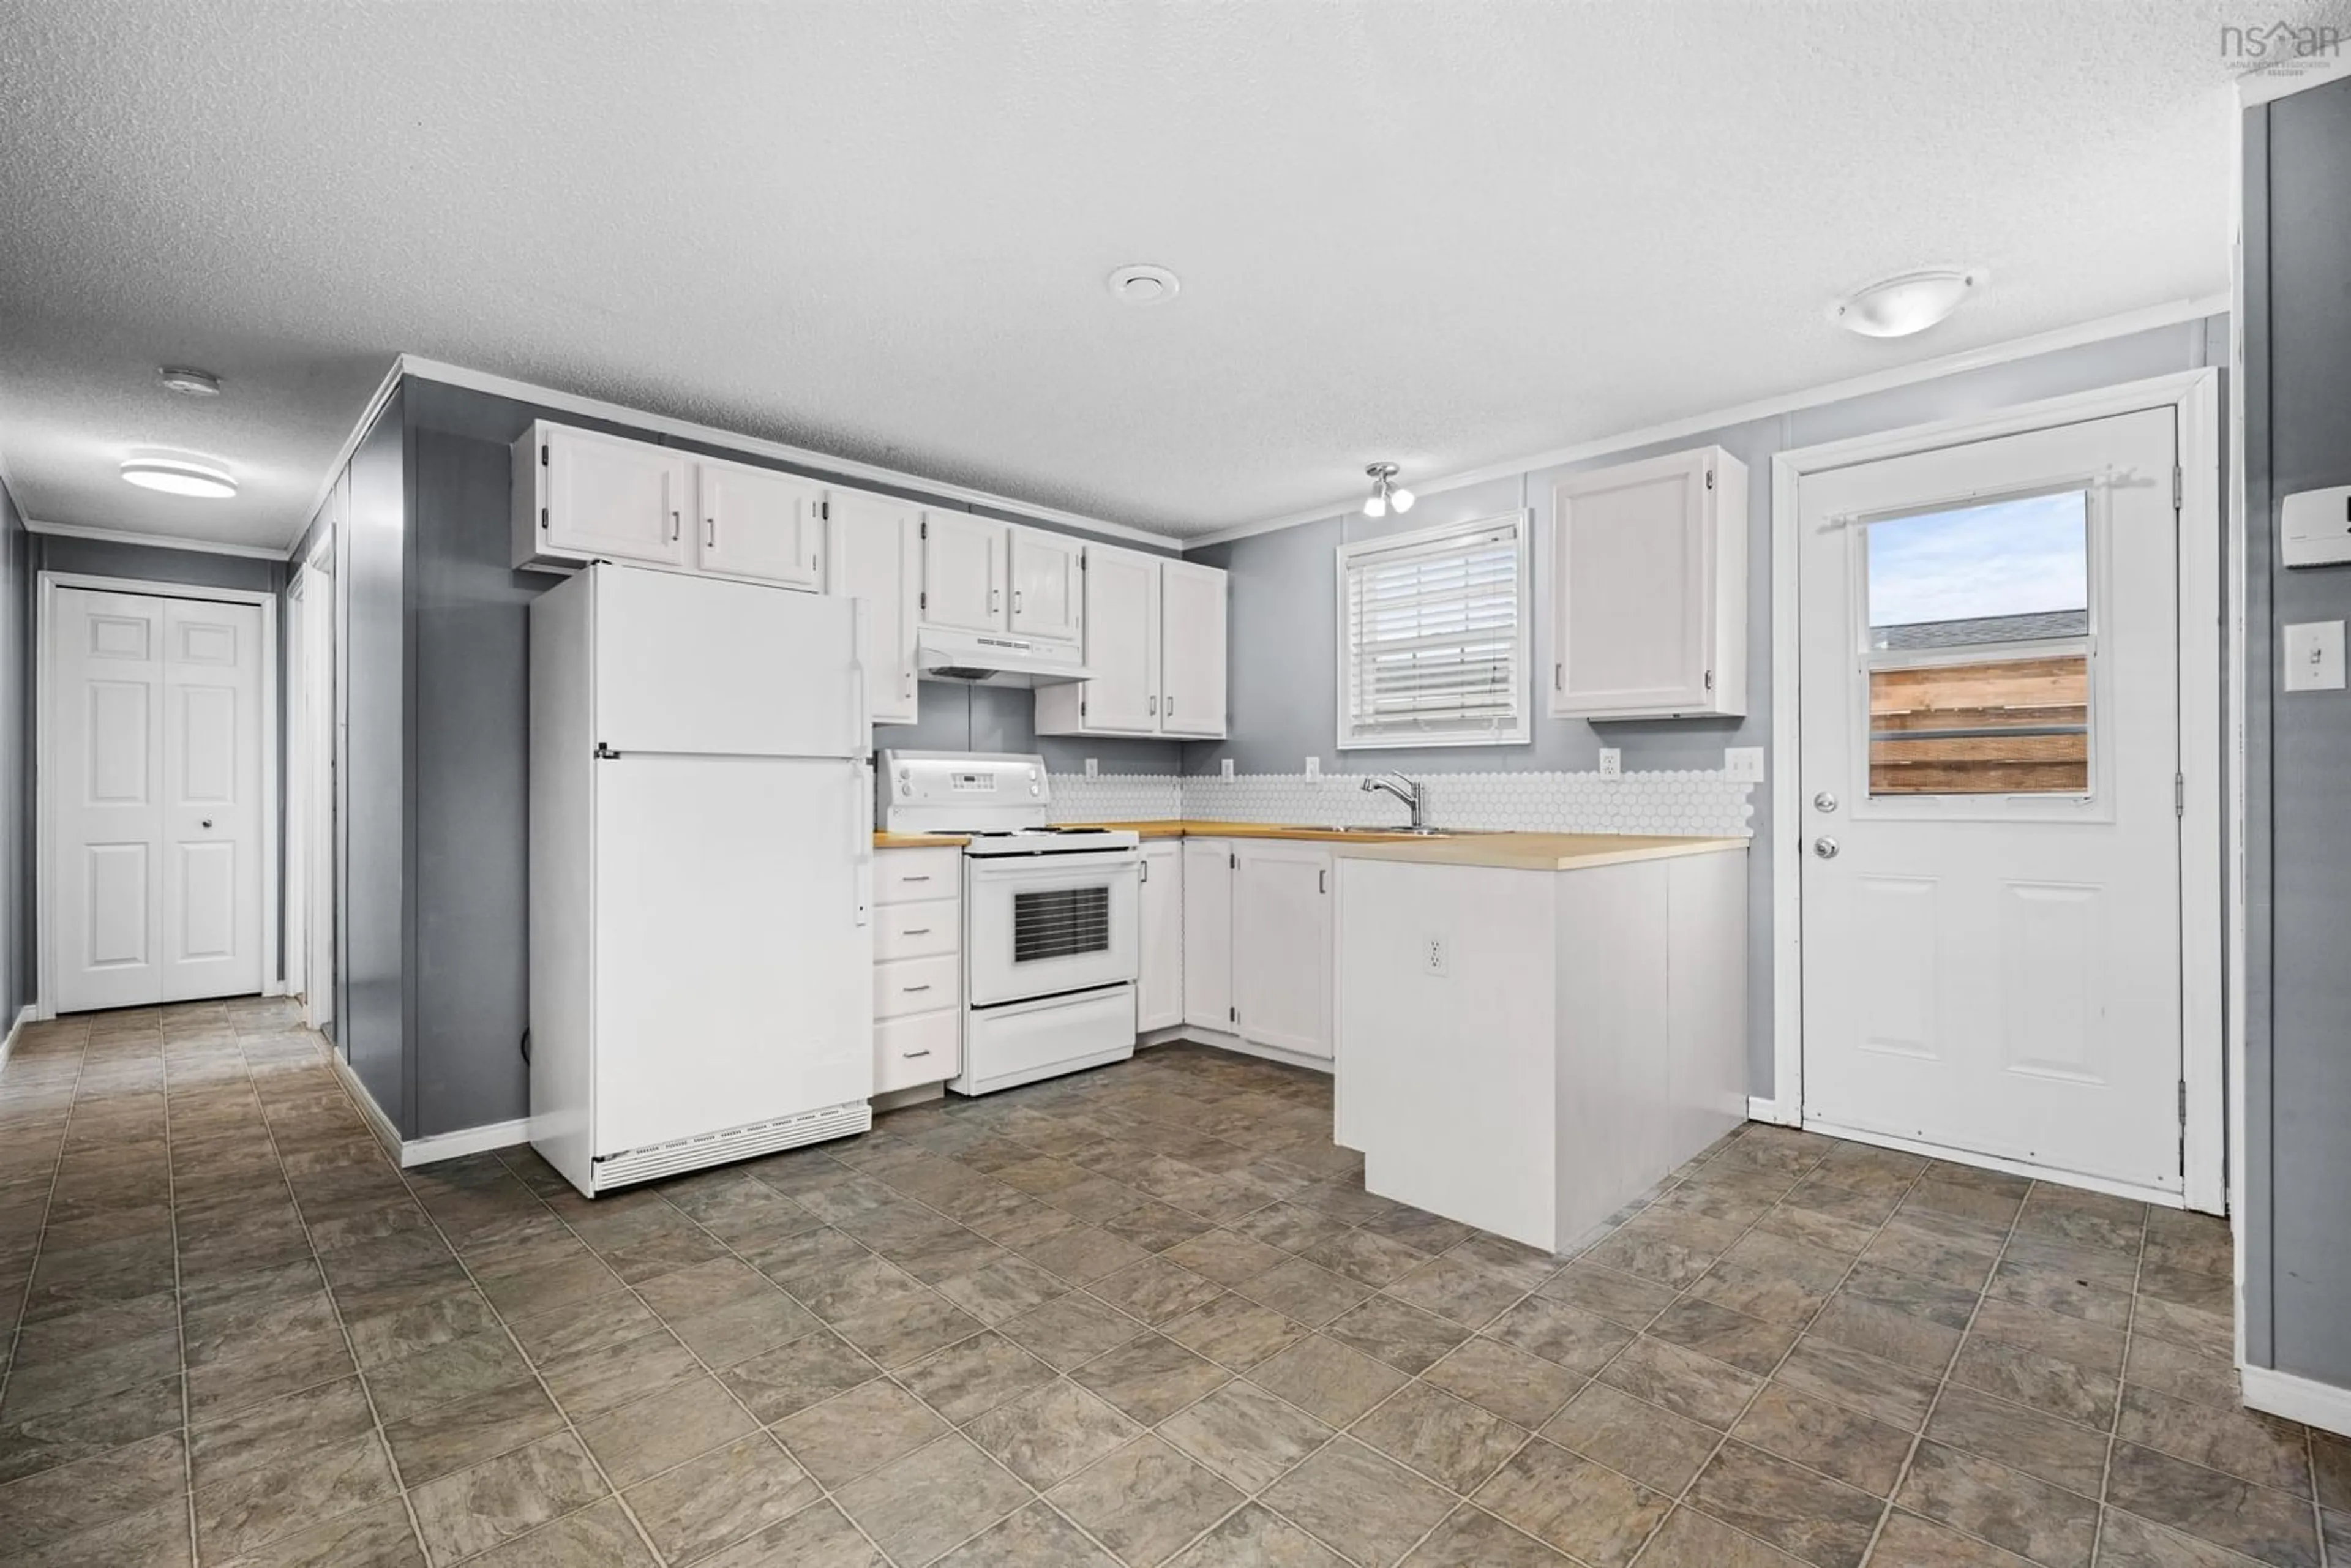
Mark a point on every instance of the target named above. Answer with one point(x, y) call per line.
point(916, 931)
point(908, 989)
point(910, 1055)
point(924, 877)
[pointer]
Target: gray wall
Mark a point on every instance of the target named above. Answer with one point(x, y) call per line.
point(2297, 237)
point(1284, 690)
point(19, 848)
point(373, 986)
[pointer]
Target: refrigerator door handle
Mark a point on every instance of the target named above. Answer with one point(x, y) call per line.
point(862, 871)
point(861, 732)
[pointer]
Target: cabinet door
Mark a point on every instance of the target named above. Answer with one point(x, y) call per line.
point(1207, 933)
point(611, 498)
point(1159, 995)
point(760, 524)
point(1282, 946)
point(873, 552)
point(1632, 590)
point(1121, 640)
point(1191, 649)
point(1047, 591)
point(963, 571)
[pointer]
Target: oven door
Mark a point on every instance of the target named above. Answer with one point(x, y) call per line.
point(1037, 925)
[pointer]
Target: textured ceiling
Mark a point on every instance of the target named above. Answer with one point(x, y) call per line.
point(1440, 233)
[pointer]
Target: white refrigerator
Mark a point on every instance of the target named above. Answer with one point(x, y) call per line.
point(701, 874)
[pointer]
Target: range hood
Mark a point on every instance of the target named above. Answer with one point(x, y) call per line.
point(993, 659)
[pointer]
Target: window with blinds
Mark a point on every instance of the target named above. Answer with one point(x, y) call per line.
point(1433, 637)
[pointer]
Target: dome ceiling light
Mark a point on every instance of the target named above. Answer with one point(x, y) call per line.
point(177, 476)
point(1912, 302)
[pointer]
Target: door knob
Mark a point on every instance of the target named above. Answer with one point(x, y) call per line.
point(1824, 802)
point(1826, 848)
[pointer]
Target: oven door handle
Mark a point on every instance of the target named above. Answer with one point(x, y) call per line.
point(1052, 869)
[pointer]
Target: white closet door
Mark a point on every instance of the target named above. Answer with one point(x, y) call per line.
point(153, 775)
point(211, 800)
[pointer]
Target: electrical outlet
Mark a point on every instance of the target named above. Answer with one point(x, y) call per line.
point(1093, 768)
point(1432, 955)
point(1612, 762)
point(1743, 764)
point(1314, 768)
point(1226, 773)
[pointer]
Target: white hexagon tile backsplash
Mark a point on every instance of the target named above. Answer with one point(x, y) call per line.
point(1694, 802)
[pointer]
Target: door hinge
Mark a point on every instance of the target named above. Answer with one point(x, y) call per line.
point(605, 753)
point(2179, 486)
point(1233, 1015)
point(2180, 794)
point(1232, 862)
point(2183, 1102)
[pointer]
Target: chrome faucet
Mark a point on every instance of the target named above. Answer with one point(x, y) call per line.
point(1402, 787)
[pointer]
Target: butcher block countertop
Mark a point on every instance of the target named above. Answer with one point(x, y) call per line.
point(1508, 851)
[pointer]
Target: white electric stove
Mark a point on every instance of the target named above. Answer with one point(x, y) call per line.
point(1051, 945)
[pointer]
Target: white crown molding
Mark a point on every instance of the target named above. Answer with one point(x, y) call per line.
point(2096, 331)
point(158, 541)
point(733, 441)
point(2290, 76)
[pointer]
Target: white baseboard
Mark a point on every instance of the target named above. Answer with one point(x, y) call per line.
point(1218, 1040)
point(465, 1141)
point(2303, 1399)
point(378, 1123)
point(1762, 1110)
point(25, 1015)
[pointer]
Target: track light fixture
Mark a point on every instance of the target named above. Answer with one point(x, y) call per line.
point(1385, 492)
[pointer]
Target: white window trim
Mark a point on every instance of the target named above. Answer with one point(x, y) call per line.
point(1520, 732)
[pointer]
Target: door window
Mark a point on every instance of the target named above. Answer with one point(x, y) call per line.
point(1978, 649)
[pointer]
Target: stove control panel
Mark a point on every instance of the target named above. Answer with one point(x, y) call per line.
point(954, 791)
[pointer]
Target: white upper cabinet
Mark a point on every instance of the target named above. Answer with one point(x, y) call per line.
point(1191, 649)
point(759, 523)
point(1155, 639)
point(580, 496)
point(873, 551)
point(1649, 588)
point(1282, 962)
point(1048, 586)
point(964, 569)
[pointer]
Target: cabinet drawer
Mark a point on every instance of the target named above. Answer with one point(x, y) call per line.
point(917, 930)
point(924, 1049)
point(918, 986)
point(902, 876)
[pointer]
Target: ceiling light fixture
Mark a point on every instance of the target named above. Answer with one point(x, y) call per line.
point(189, 382)
point(1143, 285)
point(1386, 492)
point(1898, 306)
point(175, 476)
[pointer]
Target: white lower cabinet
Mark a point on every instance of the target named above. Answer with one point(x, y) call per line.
point(1159, 991)
point(917, 967)
point(1281, 954)
point(1209, 934)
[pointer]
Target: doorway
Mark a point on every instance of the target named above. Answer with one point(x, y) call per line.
point(156, 762)
point(1998, 707)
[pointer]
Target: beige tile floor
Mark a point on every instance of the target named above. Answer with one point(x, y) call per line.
point(1146, 1316)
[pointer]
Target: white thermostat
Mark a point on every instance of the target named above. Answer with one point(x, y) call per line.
point(2315, 527)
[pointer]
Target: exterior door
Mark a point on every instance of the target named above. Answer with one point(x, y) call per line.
point(615, 499)
point(1192, 649)
point(153, 774)
point(1991, 765)
point(1282, 946)
point(1048, 588)
point(759, 523)
point(963, 571)
point(1121, 640)
point(873, 553)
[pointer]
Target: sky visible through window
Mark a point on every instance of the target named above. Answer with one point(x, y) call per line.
point(2010, 558)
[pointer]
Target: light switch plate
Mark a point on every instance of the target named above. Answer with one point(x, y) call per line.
point(1612, 762)
point(1093, 768)
point(2313, 657)
point(1226, 773)
point(1743, 764)
point(1314, 768)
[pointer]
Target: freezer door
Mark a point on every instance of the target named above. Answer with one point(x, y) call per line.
point(696, 664)
point(734, 966)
